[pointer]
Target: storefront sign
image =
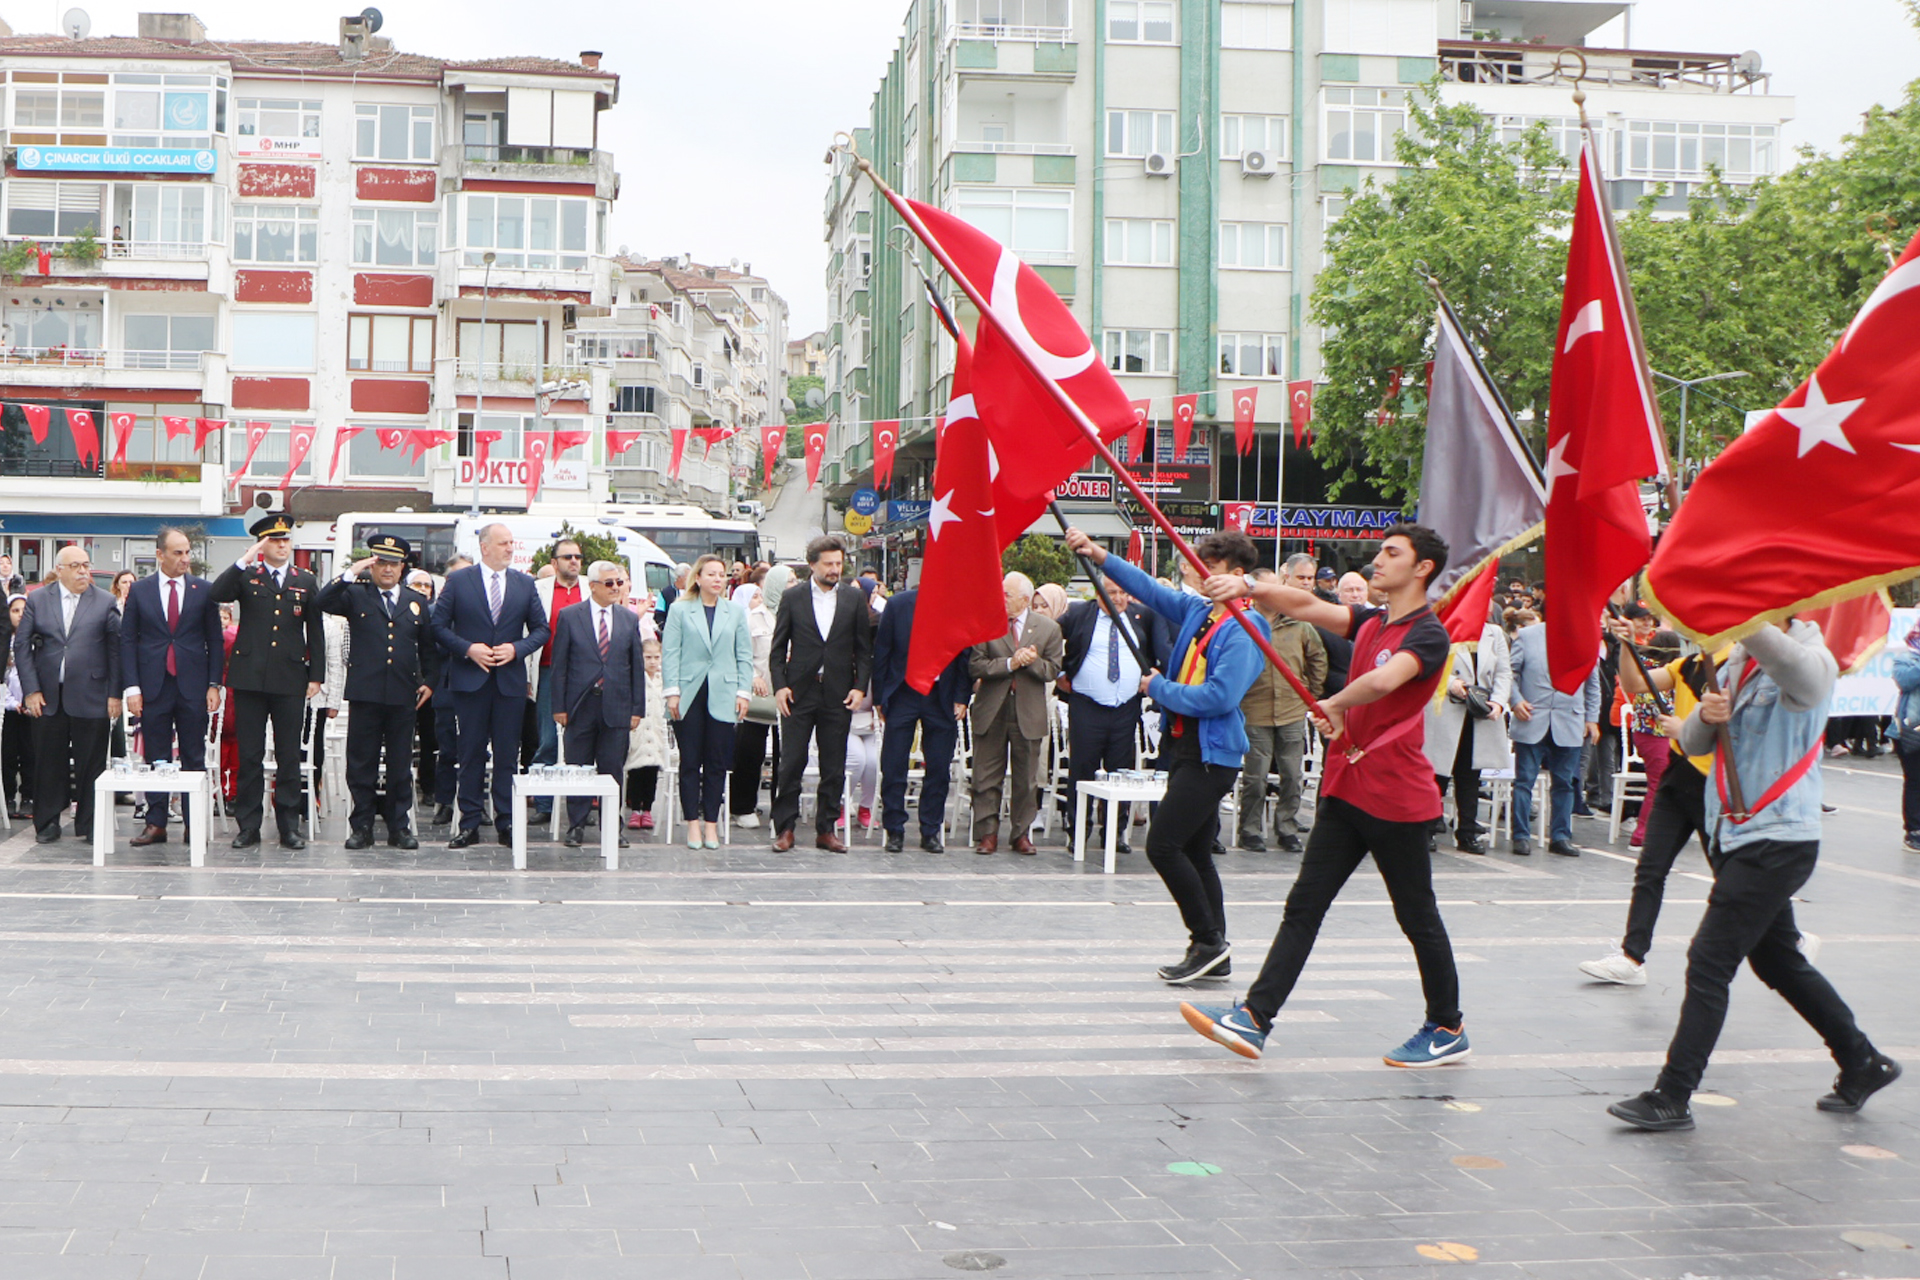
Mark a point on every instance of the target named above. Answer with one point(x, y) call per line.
point(112, 160)
point(906, 509)
point(1087, 486)
point(865, 501)
point(511, 473)
point(259, 147)
point(857, 523)
point(1321, 523)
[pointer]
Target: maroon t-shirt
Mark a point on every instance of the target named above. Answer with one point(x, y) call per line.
point(1393, 780)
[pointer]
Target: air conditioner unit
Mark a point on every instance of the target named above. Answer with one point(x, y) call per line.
point(1257, 164)
point(269, 500)
point(1159, 164)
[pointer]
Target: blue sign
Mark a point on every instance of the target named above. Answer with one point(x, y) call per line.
point(866, 501)
point(113, 160)
point(904, 509)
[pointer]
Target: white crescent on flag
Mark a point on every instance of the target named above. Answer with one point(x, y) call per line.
point(816, 438)
point(1245, 403)
point(1004, 298)
point(886, 437)
point(1184, 412)
point(1591, 319)
point(1898, 281)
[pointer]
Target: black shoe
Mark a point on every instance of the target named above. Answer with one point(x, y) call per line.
point(247, 839)
point(539, 819)
point(1287, 844)
point(933, 843)
point(1219, 850)
point(1521, 848)
point(1654, 1113)
point(358, 840)
point(1121, 846)
point(503, 835)
point(1471, 844)
point(443, 816)
point(1582, 811)
point(896, 841)
point(1200, 962)
point(1253, 844)
point(290, 839)
point(1851, 1089)
point(47, 835)
point(466, 839)
point(1913, 842)
point(575, 836)
point(1563, 847)
point(402, 840)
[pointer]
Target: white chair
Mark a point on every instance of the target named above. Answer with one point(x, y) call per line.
point(334, 773)
point(667, 796)
point(1629, 783)
point(960, 791)
point(1055, 767)
point(215, 774)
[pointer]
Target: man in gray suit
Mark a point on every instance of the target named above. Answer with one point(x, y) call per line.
point(1549, 729)
point(67, 651)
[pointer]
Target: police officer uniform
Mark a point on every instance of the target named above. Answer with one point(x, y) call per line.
point(280, 650)
point(391, 659)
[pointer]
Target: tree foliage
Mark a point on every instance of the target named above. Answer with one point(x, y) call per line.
point(593, 546)
point(797, 388)
point(1041, 558)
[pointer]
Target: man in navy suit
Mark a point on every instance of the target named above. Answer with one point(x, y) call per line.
point(1101, 683)
point(171, 655)
point(488, 619)
point(902, 707)
point(599, 676)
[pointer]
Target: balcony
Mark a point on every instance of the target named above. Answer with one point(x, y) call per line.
point(583, 279)
point(1488, 62)
point(85, 368)
point(1018, 20)
point(534, 164)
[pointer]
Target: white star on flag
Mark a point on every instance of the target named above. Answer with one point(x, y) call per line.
point(1557, 464)
point(1819, 421)
point(940, 513)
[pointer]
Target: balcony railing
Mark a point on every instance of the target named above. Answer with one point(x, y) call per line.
point(97, 358)
point(517, 371)
point(1487, 62)
point(513, 153)
point(1016, 148)
point(1010, 31)
point(156, 250)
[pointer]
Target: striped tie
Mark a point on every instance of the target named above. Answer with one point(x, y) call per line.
point(606, 641)
point(493, 595)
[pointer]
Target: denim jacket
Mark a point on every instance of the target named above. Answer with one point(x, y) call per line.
point(1779, 716)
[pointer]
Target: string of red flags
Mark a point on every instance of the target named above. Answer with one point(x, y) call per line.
point(122, 436)
point(773, 439)
point(340, 438)
point(538, 445)
point(256, 436)
point(1244, 400)
point(299, 444)
point(619, 442)
point(816, 448)
point(886, 438)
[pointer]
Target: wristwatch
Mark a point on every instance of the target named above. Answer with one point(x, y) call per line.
point(1251, 582)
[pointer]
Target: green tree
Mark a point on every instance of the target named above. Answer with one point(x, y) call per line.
point(1041, 558)
point(593, 546)
point(797, 388)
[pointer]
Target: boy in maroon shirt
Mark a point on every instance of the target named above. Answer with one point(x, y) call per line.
point(1377, 795)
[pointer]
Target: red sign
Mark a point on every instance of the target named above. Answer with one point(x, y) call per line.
point(1086, 486)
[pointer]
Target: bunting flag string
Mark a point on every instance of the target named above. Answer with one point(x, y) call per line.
point(256, 436)
point(340, 437)
point(678, 453)
point(421, 439)
point(773, 438)
point(204, 427)
point(538, 445)
point(122, 436)
point(565, 440)
point(177, 427)
point(299, 442)
point(390, 438)
point(86, 436)
point(38, 416)
point(483, 442)
point(619, 442)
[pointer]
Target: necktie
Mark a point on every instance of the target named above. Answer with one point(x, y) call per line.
point(493, 596)
point(386, 602)
point(1013, 631)
point(173, 620)
point(1113, 650)
point(606, 641)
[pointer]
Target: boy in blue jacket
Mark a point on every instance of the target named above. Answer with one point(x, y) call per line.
point(1204, 739)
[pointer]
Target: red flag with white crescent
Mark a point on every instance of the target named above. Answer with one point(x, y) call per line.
point(1184, 409)
point(390, 438)
point(483, 442)
point(618, 442)
point(177, 427)
point(1300, 406)
point(1243, 401)
point(298, 445)
point(38, 417)
point(886, 436)
point(1237, 516)
point(256, 436)
point(565, 440)
point(421, 439)
point(204, 427)
point(340, 437)
point(1137, 434)
point(538, 444)
point(122, 436)
point(816, 451)
point(679, 451)
point(86, 436)
point(773, 438)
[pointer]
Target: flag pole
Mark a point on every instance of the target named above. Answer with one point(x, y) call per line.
point(1100, 589)
point(1236, 609)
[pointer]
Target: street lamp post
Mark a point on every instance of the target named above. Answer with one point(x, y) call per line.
point(1686, 386)
point(480, 379)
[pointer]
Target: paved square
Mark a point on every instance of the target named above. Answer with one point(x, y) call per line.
point(869, 1067)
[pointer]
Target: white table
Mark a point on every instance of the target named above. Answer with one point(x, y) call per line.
point(1115, 791)
point(191, 784)
point(526, 785)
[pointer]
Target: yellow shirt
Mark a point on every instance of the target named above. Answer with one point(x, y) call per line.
point(1685, 700)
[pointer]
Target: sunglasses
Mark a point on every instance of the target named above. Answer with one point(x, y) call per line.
point(613, 582)
point(568, 555)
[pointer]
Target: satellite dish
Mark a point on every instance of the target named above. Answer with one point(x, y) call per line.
point(76, 23)
point(1748, 63)
point(372, 18)
point(815, 397)
point(623, 251)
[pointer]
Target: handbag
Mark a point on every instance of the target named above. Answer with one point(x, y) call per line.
point(1479, 702)
point(762, 709)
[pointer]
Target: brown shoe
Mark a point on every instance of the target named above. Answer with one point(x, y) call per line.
point(783, 842)
point(830, 842)
point(152, 835)
point(1022, 845)
point(988, 845)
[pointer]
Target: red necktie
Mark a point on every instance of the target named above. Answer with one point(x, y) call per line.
point(173, 620)
point(606, 641)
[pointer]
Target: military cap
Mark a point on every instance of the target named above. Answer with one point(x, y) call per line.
point(272, 526)
point(389, 546)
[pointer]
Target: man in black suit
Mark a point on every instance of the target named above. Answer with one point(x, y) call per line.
point(171, 654)
point(392, 660)
point(67, 652)
point(599, 676)
point(279, 661)
point(822, 648)
point(1101, 682)
point(903, 708)
point(489, 618)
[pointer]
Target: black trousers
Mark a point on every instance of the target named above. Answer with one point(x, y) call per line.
point(1679, 813)
point(1098, 738)
point(1910, 793)
point(1180, 844)
point(643, 784)
point(67, 749)
point(814, 715)
point(446, 742)
point(939, 735)
point(169, 712)
point(1750, 917)
point(252, 712)
point(589, 739)
point(1342, 835)
point(488, 719)
point(16, 760)
point(706, 757)
point(749, 759)
point(371, 728)
point(1466, 787)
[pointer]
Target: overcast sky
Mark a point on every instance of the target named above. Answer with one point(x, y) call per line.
point(727, 107)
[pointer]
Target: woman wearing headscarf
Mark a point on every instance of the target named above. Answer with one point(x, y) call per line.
point(750, 738)
point(1050, 598)
point(1906, 733)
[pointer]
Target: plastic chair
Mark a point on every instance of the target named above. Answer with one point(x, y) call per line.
point(1629, 783)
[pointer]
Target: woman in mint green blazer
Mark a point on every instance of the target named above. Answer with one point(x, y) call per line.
point(707, 675)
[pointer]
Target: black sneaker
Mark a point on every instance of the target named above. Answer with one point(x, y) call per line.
point(1851, 1089)
point(1913, 842)
point(896, 841)
point(1287, 844)
point(1471, 844)
point(1253, 844)
point(1199, 962)
point(1653, 1112)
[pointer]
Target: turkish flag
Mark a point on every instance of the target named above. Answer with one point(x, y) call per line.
point(421, 439)
point(340, 437)
point(816, 451)
point(960, 576)
point(256, 436)
point(1815, 504)
point(1237, 516)
point(1855, 630)
point(177, 427)
point(1603, 437)
point(86, 436)
point(483, 442)
point(1136, 548)
point(122, 436)
point(1184, 407)
point(679, 451)
point(710, 436)
point(1300, 404)
point(1464, 612)
point(299, 443)
point(390, 438)
point(38, 416)
point(886, 438)
point(565, 440)
point(1137, 434)
point(45, 259)
point(538, 444)
point(618, 442)
point(1243, 402)
point(204, 427)
point(773, 438)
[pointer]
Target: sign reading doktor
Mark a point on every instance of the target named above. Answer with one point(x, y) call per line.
point(511, 474)
point(113, 160)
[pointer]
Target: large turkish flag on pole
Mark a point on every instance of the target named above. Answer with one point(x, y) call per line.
point(1816, 504)
point(1603, 437)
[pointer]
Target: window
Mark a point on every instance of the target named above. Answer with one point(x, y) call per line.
point(365, 458)
point(270, 459)
point(1030, 222)
point(36, 108)
point(635, 399)
point(1139, 350)
point(1256, 25)
point(997, 16)
point(699, 374)
point(392, 133)
point(1140, 21)
point(1563, 131)
point(482, 131)
point(276, 233)
point(600, 348)
point(1666, 150)
point(52, 209)
point(390, 344)
point(156, 216)
point(176, 111)
point(1253, 355)
point(1363, 123)
point(395, 237)
point(1254, 246)
point(527, 231)
point(1241, 134)
point(168, 342)
point(276, 340)
point(511, 349)
point(1139, 242)
point(1135, 133)
point(276, 118)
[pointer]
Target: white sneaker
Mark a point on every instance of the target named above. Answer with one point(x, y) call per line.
point(1810, 946)
point(747, 820)
point(1618, 967)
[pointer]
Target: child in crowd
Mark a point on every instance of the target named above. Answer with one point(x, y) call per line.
point(647, 749)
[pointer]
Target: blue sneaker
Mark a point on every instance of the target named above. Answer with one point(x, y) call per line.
point(1430, 1046)
point(1233, 1027)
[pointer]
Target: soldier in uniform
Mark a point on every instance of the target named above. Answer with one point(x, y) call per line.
point(392, 662)
point(279, 660)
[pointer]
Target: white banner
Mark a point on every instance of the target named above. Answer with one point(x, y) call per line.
point(260, 147)
point(511, 473)
point(1871, 691)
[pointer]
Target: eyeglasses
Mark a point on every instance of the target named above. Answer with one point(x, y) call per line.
point(568, 555)
point(613, 582)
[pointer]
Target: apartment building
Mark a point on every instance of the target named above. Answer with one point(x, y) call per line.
point(1170, 168)
point(373, 253)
